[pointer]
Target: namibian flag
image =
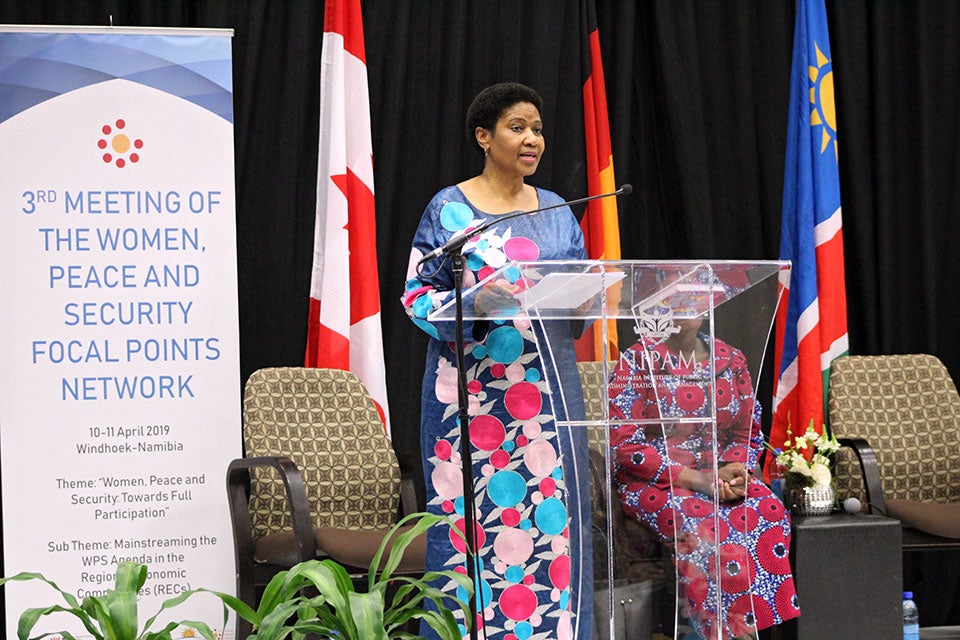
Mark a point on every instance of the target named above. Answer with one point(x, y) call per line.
point(600, 224)
point(811, 324)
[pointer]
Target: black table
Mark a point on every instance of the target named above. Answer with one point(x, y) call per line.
point(848, 573)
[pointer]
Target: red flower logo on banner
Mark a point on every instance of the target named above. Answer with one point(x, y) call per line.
point(117, 146)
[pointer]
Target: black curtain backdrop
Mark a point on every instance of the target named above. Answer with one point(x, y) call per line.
point(697, 92)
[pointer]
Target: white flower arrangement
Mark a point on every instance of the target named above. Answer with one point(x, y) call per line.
point(808, 459)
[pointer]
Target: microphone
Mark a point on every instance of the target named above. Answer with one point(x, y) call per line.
point(461, 238)
point(456, 241)
point(853, 505)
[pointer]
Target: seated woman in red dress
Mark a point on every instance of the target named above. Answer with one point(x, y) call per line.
point(664, 476)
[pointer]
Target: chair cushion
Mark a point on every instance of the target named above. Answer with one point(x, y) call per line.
point(353, 548)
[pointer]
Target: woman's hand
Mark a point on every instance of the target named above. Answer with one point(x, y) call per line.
point(496, 296)
point(731, 482)
point(730, 485)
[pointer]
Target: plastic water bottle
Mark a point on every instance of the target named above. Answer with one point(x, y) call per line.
point(911, 617)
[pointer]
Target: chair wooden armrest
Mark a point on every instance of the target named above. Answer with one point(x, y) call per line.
point(913, 539)
point(238, 493)
point(870, 472)
point(411, 473)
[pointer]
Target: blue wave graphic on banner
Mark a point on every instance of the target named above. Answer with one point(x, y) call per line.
point(35, 67)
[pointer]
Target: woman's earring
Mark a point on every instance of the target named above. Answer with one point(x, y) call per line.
point(486, 151)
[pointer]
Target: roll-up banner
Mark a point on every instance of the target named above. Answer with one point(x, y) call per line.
point(119, 361)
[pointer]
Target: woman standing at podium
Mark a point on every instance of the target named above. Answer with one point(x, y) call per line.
point(529, 473)
point(664, 476)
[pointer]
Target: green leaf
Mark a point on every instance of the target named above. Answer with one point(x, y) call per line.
point(28, 619)
point(62, 634)
point(98, 609)
point(367, 611)
point(400, 543)
point(276, 619)
point(200, 627)
point(179, 599)
point(235, 604)
point(122, 612)
point(24, 576)
point(443, 623)
point(329, 579)
point(273, 593)
point(131, 576)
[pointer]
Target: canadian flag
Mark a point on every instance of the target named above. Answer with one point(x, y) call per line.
point(344, 324)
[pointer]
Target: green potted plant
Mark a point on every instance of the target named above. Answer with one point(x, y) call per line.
point(318, 597)
point(113, 615)
point(314, 597)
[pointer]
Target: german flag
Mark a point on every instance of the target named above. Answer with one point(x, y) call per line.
point(600, 223)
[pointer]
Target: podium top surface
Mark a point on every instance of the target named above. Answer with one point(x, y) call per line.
point(642, 291)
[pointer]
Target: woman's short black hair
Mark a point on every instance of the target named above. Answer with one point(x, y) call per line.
point(490, 104)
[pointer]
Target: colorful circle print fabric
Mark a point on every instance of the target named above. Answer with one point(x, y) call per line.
point(530, 476)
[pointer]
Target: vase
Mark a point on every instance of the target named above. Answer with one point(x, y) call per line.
point(810, 501)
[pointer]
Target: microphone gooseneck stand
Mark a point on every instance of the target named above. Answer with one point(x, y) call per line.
point(453, 249)
point(466, 457)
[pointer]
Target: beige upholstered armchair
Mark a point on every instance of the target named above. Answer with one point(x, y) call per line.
point(899, 419)
point(320, 477)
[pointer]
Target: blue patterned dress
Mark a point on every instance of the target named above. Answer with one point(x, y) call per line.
point(530, 475)
point(752, 536)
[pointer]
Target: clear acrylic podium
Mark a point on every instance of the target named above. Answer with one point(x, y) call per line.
point(672, 405)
